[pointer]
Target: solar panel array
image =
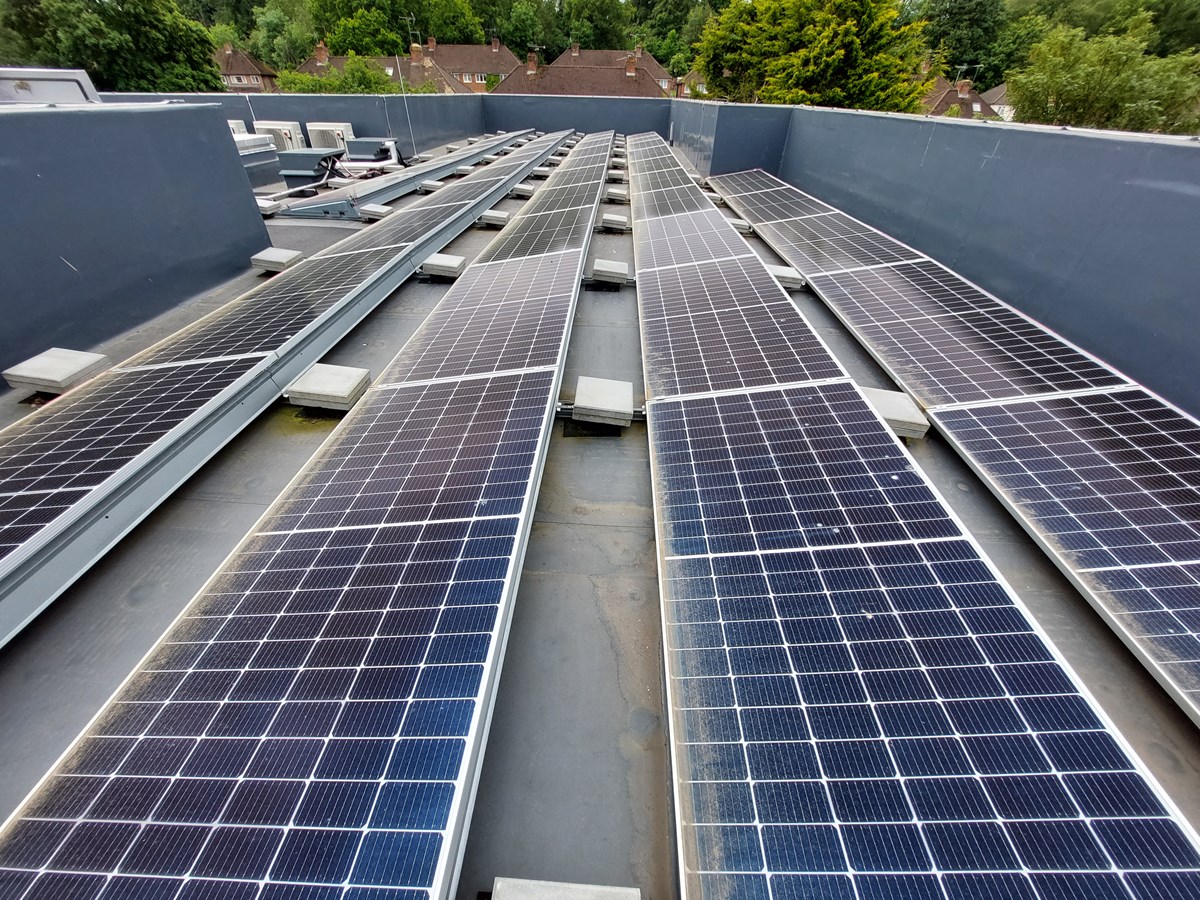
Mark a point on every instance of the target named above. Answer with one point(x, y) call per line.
point(1104, 475)
point(63, 460)
point(312, 726)
point(860, 708)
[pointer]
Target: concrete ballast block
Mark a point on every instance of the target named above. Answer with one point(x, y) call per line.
point(741, 226)
point(55, 370)
point(540, 172)
point(898, 410)
point(787, 276)
point(428, 187)
point(490, 158)
point(610, 270)
point(612, 222)
point(329, 387)
point(618, 162)
point(524, 189)
point(524, 889)
point(617, 175)
point(450, 148)
point(337, 181)
point(443, 265)
point(494, 218)
point(617, 195)
point(275, 259)
point(425, 157)
point(464, 170)
point(472, 140)
point(603, 400)
point(267, 208)
point(374, 211)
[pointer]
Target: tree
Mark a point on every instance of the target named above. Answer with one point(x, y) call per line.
point(1010, 51)
point(365, 33)
point(134, 45)
point(966, 30)
point(450, 21)
point(596, 24)
point(223, 33)
point(848, 53)
point(357, 76)
point(1108, 81)
point(283, 35)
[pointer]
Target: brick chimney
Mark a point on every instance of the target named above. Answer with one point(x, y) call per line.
point(495, 45)
point(964, 88)
point(575, 49)
point(631, 66)
point(432, 44)
point(229, 49)
point(416, 54)
point(531, 64)
point(637, 51)
point(321, 54)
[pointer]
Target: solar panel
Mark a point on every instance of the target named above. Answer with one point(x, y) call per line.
point(748, 182)
point(79, 441)
point(776, 204)
point(313, 724)
point(949, 342)
point(832, 243)
point(547, 232)
point(668, 202)
point(860, 708)
point(1109, 483)
point(505, 315)
point(684, 239)
point(722, 325)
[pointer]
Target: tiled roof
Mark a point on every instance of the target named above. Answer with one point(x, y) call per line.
point(232, 61)
point(474, 58)
point(572, 57)
point(997, 95)
point(600, 81)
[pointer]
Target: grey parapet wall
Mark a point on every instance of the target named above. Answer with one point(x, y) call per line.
point(114, 214)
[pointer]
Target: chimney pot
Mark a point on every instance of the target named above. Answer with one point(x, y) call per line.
point(495, 45)
point(531, 64)
point(964, 88)
point(415, 53)
point(321, 53)
point(575, 49)
point(631, 65)
point(432, 44)
point(637, 51)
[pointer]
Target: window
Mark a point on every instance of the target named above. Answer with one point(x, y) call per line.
point(255, 79)
point(466, 77)
point(687, 91)
point(225, 78)
point(701, 88)
point(662, 83)
point(480, 78)
point(975, 107)
point(390, 71)
point(239, 79)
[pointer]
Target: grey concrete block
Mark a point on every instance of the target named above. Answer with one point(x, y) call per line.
point(429, 186)
point(900, 412)
point(494, 218)
point(603, 400)
point(275, 259)
point(524, 189)
point(329, 387)
point(443, 265)
point(267, 207)
point(523, 889)
point(610, 270)
point(373, 211)
point(787, 276)
point(617, 195)
point(741, 226)
point(613, 222)
point(55, 370)
point(464, 170)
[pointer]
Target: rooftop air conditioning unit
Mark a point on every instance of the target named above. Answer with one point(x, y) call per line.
point(237, 126)
point(287, 135)
point(332, 135)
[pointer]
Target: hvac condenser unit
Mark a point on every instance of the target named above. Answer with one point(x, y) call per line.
point(237, 126)
point(287, 135)
point(330, 135)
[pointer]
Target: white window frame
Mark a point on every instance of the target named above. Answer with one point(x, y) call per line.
point(481, 78)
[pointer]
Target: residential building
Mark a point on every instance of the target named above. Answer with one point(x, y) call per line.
point(616, 59)
point(241, 73)
point(691, 85)
point(997, 98)
point(415, 70)
point(601, 81)
point(959, 100)
point(472, 64)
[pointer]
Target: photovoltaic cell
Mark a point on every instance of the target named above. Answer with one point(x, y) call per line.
point(1110, 484)
point(684, 239)
point(547, 232)
point(777, 204)
point(80, 440)
point(507, 315)
point(721, 325)
point(669, 202)
point(748, 182)
point(948, 342)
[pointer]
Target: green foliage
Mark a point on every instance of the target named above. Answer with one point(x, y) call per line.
point(283, 35)
point(450, 21)
point(596, 24)
point(365, 33)
point(964, 29)
point(136, 45)
point(846, 53)
point(223, 33)
point(1108, 81)
point(357, 76)
point(1010, 51)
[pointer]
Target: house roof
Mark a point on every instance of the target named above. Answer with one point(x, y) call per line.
point(232, 61)
point(474, 58)
point(997, 95)
point(944, 95)
point(600, 81)
point(414, 73)
point(615, 58)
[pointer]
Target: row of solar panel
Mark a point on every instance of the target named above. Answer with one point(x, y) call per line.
point(311, 727)
point(54, 460)
point(860, 708)
point(1105, 475)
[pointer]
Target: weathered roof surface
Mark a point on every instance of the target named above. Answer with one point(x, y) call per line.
point(232, 61)
point(997, 95)
point(599, 81)
point(474, 58)
point(396, 67)
point(943, 96)
point(616, 58)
